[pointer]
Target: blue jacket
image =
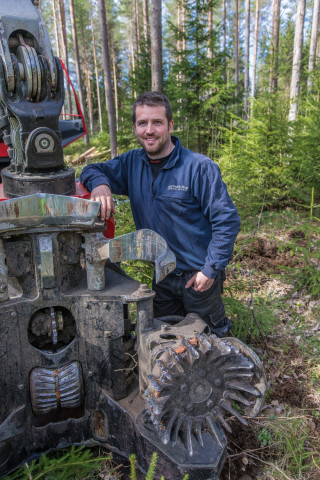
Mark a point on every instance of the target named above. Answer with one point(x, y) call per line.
point(188, 204)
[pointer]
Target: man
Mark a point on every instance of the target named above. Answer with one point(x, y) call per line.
point(179, 194)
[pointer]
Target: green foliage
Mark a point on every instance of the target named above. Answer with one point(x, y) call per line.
point(195, 83)
point(264, 437)
point(77, 463)
point(308, 278)
point(151, 470)
point(243, 325)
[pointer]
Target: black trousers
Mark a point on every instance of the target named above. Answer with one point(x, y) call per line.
point(172, 298)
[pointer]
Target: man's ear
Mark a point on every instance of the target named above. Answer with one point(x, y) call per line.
point(170, 126)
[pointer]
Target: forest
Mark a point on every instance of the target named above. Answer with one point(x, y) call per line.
point(243, 80)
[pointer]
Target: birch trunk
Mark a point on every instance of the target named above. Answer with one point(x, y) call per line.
point(296, 64)
point(313, 42)
point(246, 61)
point(77, 61)
point(156, 45)
point(107, 79)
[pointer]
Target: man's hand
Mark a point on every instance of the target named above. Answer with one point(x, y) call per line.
point(200, 282)
point(102, 194)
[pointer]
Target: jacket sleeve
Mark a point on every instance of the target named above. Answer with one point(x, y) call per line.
point(112, 173)
point(219, 209)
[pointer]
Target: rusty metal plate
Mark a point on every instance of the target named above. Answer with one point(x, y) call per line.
point(47, 209)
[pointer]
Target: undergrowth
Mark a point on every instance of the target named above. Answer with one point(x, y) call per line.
point(292, 451)
point(76, 463)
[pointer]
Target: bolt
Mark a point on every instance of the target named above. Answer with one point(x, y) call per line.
point(3, 287)
point(210, 403)
point(21, 386)
point(13, 314)
point(202, 373)
point(217, 382)
point(189, 407)
point(65, 258)
point(90, 374)
point(184, 388)
point(85, 304)
point(107, 334)
point(164, 328)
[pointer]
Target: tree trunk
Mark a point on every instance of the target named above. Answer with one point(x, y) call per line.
point(313, 42)
point(107, 79)
point(236, 53)
point(296, 64)
point(65, 56)
point(156, 45)
point(246, 61)
point(96, 70)
point(224, 37)
point(254, 56)
point(273, 82)
point(209, 49)
point(77, 61)
point(115, 84)
point(56, 33)
point(146, 25)
point(137, 26)
point(132, 63)
point(87, 75)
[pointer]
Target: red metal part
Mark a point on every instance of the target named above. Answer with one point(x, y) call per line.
point(3, 150)
point(81, 192)
point(76, 99)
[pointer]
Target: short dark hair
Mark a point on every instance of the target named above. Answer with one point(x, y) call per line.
point(153, 99)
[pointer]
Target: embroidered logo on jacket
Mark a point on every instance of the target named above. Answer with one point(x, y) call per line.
point(178, 187)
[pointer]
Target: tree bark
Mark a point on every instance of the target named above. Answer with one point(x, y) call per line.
point(115, 84)
point(224, 37)
point(246, 61)
point(96, 70)
point(55, 23)
point(156, 45)
point(87, 76)
point(146, 25)
point(65, 55)
point(313, 42)
point(273, 82)
point(77, 61)
point(236, 53)
point(254, 55)
point(296, 64)
point(137, 26)
point(107, 79)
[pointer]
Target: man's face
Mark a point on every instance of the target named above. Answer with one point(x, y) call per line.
point(153, 131)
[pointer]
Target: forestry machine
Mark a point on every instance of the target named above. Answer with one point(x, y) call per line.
point(75, 370)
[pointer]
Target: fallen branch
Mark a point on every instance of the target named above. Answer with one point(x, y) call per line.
point(83, 155)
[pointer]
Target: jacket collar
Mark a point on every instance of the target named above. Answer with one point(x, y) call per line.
point(174, 157)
